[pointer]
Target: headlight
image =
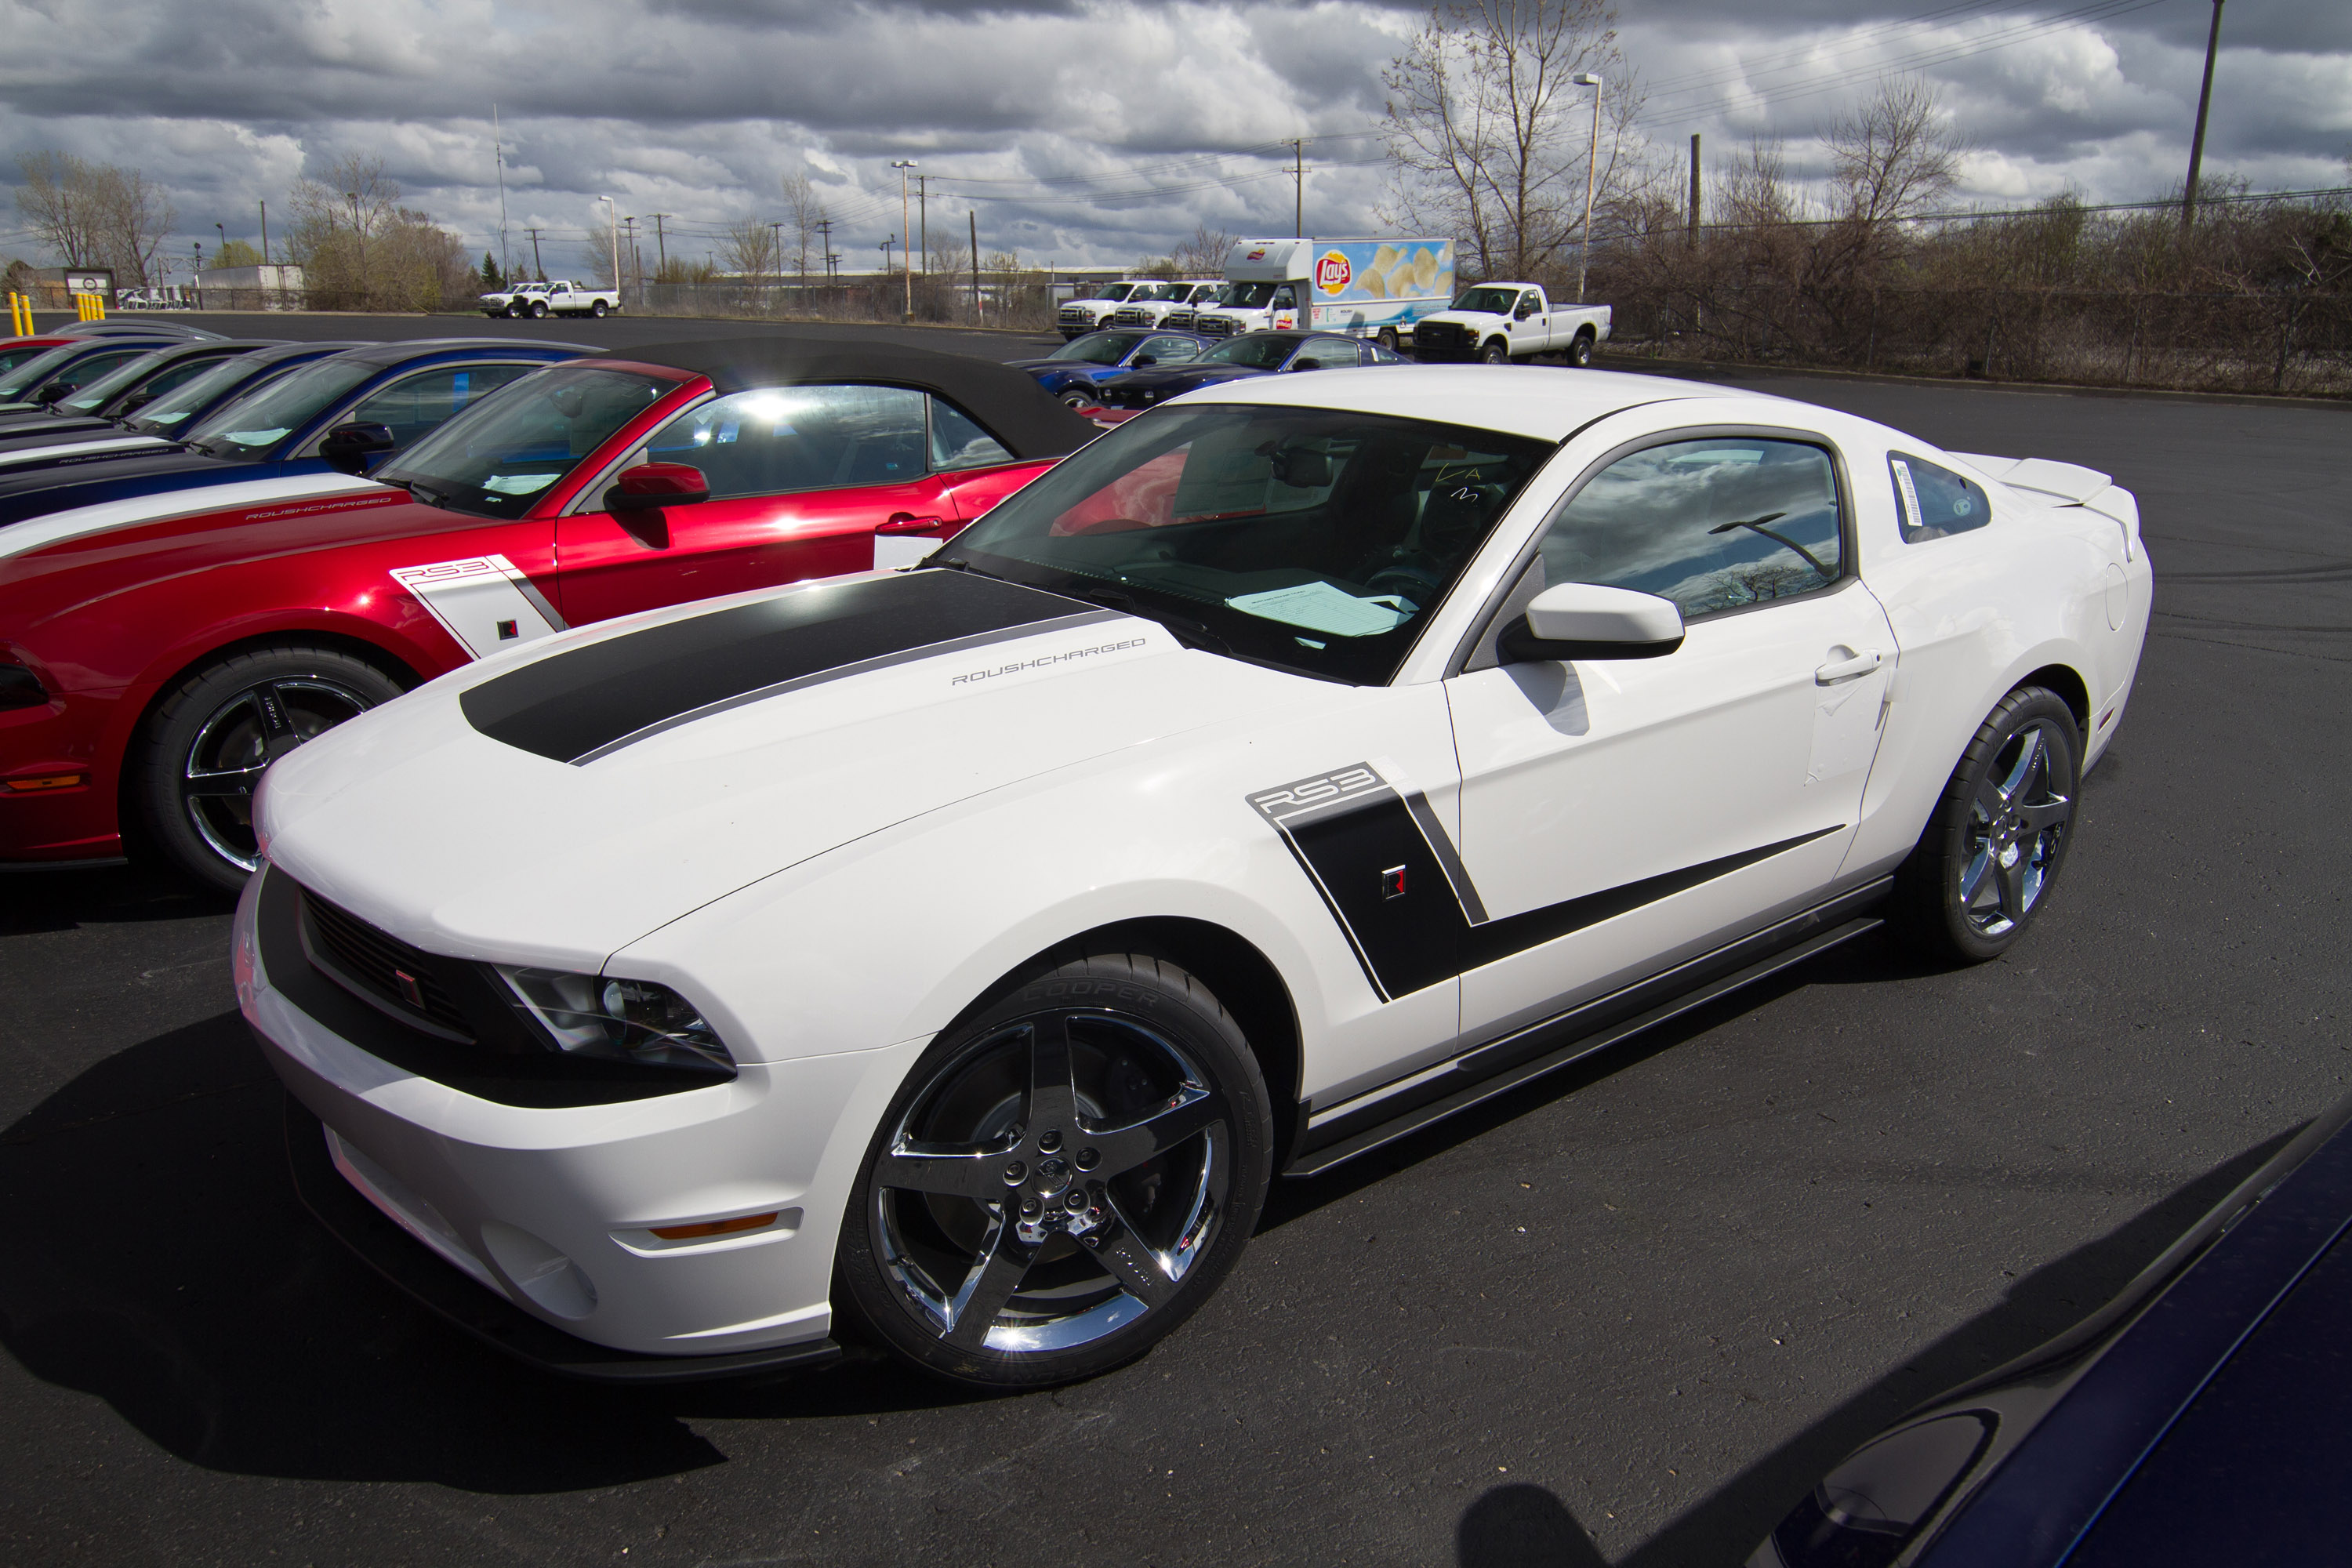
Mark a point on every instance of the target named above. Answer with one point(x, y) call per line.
point(621, 1020)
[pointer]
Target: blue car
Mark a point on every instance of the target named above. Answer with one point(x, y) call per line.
point(1074, 372)
point(345, 413)
point(2203, 1416)
point(1252, 353)
point(150, 402)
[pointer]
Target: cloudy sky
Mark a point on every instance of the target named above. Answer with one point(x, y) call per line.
point(1079, 131)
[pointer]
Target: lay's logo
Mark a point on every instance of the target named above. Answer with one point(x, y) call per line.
point(1333, 272)
point(1258, 255)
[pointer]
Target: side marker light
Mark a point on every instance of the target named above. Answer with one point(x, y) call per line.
point(716, 1227)
point(50, 781)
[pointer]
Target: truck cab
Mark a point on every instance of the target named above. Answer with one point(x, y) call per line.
point(1502, 322)
point(1158, 305)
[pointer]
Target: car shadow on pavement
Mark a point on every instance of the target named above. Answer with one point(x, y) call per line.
point(160, 1260)
point(1732, 1521)
point(61, 900)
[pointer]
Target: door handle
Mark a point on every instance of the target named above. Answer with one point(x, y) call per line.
point(1848, 669)
point(908, 522)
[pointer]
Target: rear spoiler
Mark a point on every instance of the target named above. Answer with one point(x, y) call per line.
point(2069, 484)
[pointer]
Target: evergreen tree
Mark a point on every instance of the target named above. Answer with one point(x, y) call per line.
point(491, 279)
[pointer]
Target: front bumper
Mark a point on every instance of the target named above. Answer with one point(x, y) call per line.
point(537, 1207)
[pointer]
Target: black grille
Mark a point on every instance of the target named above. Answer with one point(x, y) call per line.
point(388, 969)
point(1214, 326)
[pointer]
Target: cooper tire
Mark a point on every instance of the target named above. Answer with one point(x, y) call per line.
point(207, 743)
point(1983, 871)
point(1579, 352)
point(1065, 1175)
point(1495, 353)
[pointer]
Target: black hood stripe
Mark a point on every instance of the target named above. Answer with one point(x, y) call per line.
point(592, 701)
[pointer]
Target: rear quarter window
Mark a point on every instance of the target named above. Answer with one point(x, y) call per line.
point(1932, 501)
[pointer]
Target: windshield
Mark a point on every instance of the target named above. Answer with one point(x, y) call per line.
point(37, 370)
point(1257, 351)
point(1311, 539)
point(107, 387)
point(1156, 292)
point(1098, 348)
point(249, 430)
point(1246, 296)
point(1490, 301)
point(494, 459)
point(184, 402)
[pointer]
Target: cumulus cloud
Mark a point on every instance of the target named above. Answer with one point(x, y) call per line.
point(1080, 131)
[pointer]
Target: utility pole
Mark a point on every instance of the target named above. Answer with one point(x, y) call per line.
point(1694, 202)
point(2197, 142)
point(613, 239)
point(923, 215)
point(902, 166)
point(359, 235)
point(661, 250)
point(824, 228)
point(265, 234)
point(974, 216)
point(499, 153)
point(536, 270)
point(1592, 165)
point(776, 230)
point(637, 269)
point(1298, 187)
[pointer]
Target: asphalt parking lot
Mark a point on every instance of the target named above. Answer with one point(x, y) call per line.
point(1623, 1316)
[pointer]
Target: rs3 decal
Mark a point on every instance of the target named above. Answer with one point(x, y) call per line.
point(1394, 880)
point(482, 601)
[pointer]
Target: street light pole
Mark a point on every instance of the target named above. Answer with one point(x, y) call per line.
point(612, 241)
point(1592, 164)
point(2197, 142)
point(905, 211)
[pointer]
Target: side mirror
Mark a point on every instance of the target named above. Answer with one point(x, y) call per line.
point(650, 486)
point(1586, 620)
point(135, 402)
point(1139, 360)
point(1306, 364)
point(353, 448)
point(1527, 309)
point(57, 391)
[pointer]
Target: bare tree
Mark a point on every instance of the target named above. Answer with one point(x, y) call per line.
point(806, 219)
point(1895, 157)
point(1203, 254)
point(1487, 132)
point(750, 248)
point(94, 214)
point(359, 248)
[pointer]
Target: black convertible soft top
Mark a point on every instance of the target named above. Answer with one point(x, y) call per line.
point(1008, 403)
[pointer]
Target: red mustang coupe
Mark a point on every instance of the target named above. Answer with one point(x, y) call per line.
point(150, 669)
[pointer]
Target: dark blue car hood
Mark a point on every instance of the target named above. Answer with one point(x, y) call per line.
point(1183, 378)
point(69, 482)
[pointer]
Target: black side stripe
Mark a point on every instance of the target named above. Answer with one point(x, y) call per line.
point(588, 702)
point(1352, 833)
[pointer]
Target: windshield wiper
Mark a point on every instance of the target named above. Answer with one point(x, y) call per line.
point(1191, 633)
point(426, 493)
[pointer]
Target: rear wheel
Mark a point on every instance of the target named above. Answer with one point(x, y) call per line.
point(1580, 352)
point(1386, 337)
point(209, 741)
point(1496, 352)
point(597, 309)
point(1984, 867)
point(1062, 1179)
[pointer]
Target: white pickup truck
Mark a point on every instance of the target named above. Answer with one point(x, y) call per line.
point(1499, 322)
point(1162, 305)
point(561, 298)
point(1079, 317)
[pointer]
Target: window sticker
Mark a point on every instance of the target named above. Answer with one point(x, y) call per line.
point(519, 484)
point(256, 437)
point(1908, 492)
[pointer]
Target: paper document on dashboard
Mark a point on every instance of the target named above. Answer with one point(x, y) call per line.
point(1320, 607)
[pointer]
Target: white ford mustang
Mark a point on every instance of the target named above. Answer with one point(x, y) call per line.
point(962, 950)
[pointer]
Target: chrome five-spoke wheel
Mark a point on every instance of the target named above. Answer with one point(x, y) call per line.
point(1063, 1182)
point(1985, 865)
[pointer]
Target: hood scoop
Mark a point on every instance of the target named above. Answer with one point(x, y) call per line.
point(589, 703)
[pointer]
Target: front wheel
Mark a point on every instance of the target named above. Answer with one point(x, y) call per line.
point(1495, 353)
point(1580, 352)
point(1984, 867)
point(209, 742)
point(539, 310)
point(1386, 337)
point(1062, 1179)
point(1074, 398)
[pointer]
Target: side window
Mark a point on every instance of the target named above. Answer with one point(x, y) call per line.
point(87, 371)
point(1933, 503)
point(179, 374)
point(1169, 351)
point(957, 443)
point(1714, 524)
point(774, 439)
point(1284, 300)
point(417, 403)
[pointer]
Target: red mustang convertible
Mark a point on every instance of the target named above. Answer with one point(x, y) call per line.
point(151, 668)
